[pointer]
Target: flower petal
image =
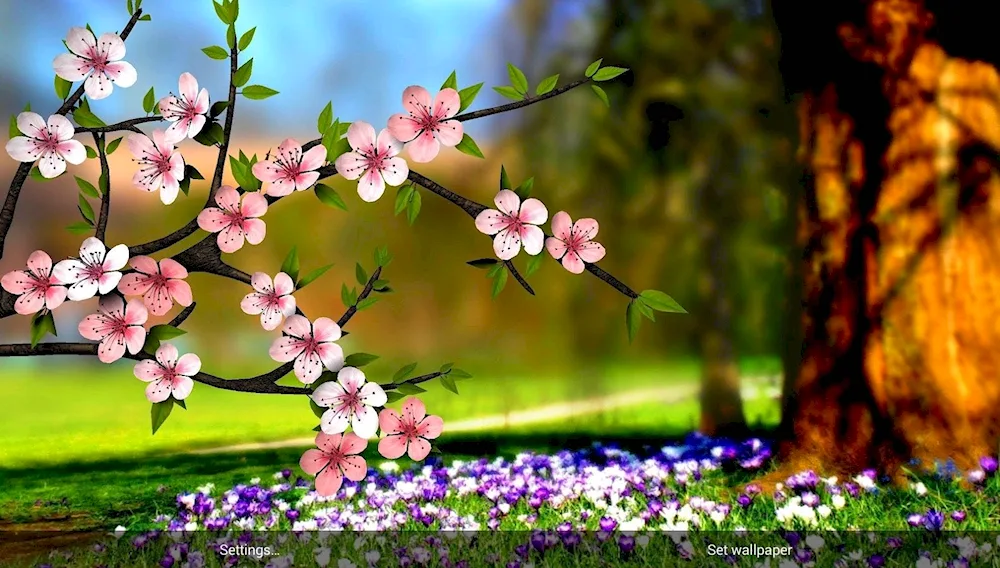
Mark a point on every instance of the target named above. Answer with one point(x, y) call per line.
point(353, 444)
point(332, 355)
point(372, 186)
point(298, 326)
point(417, 101)
point(389, 421)
point(166, 355)
point(31, 124)
point(40, 263)
point(147, 370)
point(17, 282)
point(261, 282)
point(227, 198)
point(187, 87)
point(424, 148)
point(413, 410)
point(430, 427)
point(394, 171)
point(562, 226)
point(392, 446)
point(122, 73)
point(533, 239)
point(111, 348)
point(98, 86)
point(450, 133)
point(72, 151)
point(573, 263)
point(349, 164)
point(351, 379)
point(285, 349)
point(30, 303)
point(313, 159)
point(189, 365)
point(182, 387)
point(373, 395)
point(158, 390)
point(585, 229)
point(255, 231)
point(354, 468)
point(51, 165)
point(82, 290)
point(308, 366)
point(507, 243)
point(81, 41)
point(335, 421)
point(533, 211)
point(23, 149)
point(446, 103)
point(555, 247)
point(254, 205)
point(111, 45)
point(170, 268)
point(361, 136)
point(325, 329)
point(283, 284)
point(403, 127)
point(231, 239)
point(117, 258)
point(312, 461)
point(213, 220)
point(491, 221)
point(418, 449)
point(591, 252)
point(270, 318)
point(508, 203)
point(328, 394)
point(60, 127)
point(365, 422)
point(329, 480)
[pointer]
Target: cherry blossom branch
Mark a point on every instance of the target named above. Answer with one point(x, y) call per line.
point(528, 100)
point(129, 125)
point(205, 256)
point(353, 309)
point(181, 317)
point(6, 303)
point(14, 193)
point(102, 218)
point(413, 381)
point(227, 130)
point(611, 280)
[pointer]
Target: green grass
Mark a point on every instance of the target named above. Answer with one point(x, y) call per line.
point(88, 415)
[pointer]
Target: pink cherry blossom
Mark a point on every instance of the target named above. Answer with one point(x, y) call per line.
point(235, 221)
point(573, 242)
point(310, 345)
point(117, 327)
point(373, 160)
point(291, 170)
point(97, 271)
point(36, 286)
point(159, 284)
point(272, 300)
point(161, 166)
point(336, 458)
point(51, 144)
point(513, 224)
point(349, 400)
point(408, 433)
point(188, 111)
point(168, 375)
point(425, 126)
point(98, 60)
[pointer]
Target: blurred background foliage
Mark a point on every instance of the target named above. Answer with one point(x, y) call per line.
point(688, 173)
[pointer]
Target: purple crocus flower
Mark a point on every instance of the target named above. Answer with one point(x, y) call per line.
point(988, 464)
point(608, 524)
point(958, 516)
point(894, 542)
point(933, 520)
point(915, 520)
point(292, 515)
point(876, 561)
point(167, 561)
point(626, 543)
point(744, 500)
point(538, 541)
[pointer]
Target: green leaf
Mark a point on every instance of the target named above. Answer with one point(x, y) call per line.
point(242, 174)
point(210, 135)
point(534, 263)
point(325, 118)
point(646, 311)
point(329, 140)
point(517, 79)
point(467, 95)
point(329, 196)
point(258, 92)
point(85, 209)
point(215, 52)
point(62, 87)
point(449, 383)
point(218, 108)
point(91, 153)
point(547, 85)
point(185, 185)
point(406, 371)
point(509, 92)
point(450, 83)
point(632, 320)
point(492, 272)
point(87, 119)
point(483, 263)
point(102, 183)
point(159, 413)
point(290, 266)
point(165, 332)
point(403, 196)
point(223, 13)
point(192, 172)
point(151, 345)
point(36, 174)
point(86, 187)
point(391, 397)
point(13, 131)
point(408, 388)
point(242, 75)
point(359, 359)
point(367, 303)
point(181, 404)
point(601, 94)
point(317, 410)
point(128, 6)
point(593, 67)
point(231, 36)
point(459, 374)
point(468, 146)
point(499, 282)
point(345, 296)
point(84, 103)
point(113, 145)
point(382, 256)
point(661, 302)
point(413, 208)
point(246, 38)
point(234, 9)
point(79, 228)
point(312, 276)
point(504, 179)
point(524, 190)
point(148, 101)
point(360, 274)
point(608, 73)
point(42, 324)
point(146, 18)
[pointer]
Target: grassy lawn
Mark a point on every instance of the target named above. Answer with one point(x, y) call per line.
point(83, 416)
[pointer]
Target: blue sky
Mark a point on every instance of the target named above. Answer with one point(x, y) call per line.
point(360, 54)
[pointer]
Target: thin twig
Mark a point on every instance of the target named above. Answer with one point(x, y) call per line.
point(129, 125)
point(102, 217)
point(413, 381)
point(14, 193)
point(351, 310)
point(183, 316)
point(520, 104)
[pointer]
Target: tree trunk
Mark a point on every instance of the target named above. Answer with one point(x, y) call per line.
point(721, 404)
point(900, 228)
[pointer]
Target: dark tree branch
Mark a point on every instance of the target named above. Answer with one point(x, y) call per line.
point(517, 276)
point(183, 316)
point(129, 125)
point(7, 303)
point(611, 280)
point(102, 217)
point(413, 381)
point(14, 193)
point(467, 205)
point(351, 310)
point(205, 256)
point(520, 104)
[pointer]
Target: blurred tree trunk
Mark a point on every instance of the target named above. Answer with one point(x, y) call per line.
point(900, 227)
point(721, 404)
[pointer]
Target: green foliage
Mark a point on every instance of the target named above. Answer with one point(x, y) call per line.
point(601, 95)
point(534, 263)
point(85, 209)
point(459, 374)
point(449, 383)
point(509, 92)
point(524, 190)
point(367, 303)
point(91, 153)
point(348, 296)
point(62, 87)
point(498, 274)
point(290, 266)
point(517, 79)
point(159, 412)
point(13, 131)
point(312, 276)
point(382, 256)
point(360, 274)
point(242, 75)
point(149, 101)
point(42, 324)
point(86, 187)
point(160, 333)
point(87, 119)
point(410, 388)
point(403, 196)
point(36, 174)
point(258, 92)
point(468, 146)
point(546, 85)
point(393, 396)
point(413, 207)
point(218, 107)
point(661, 302)
point(632, 320)
point(246, 38)
point(113, 145)
point(242, 170)
point(359, 360)
point(593, 67)
point(334, 141)
point(325, 119)
point(79, 228)
point(504, 179)
point(483, 263)
point(210, 135)
point(404, 372)
point(190, 174)
point(451, 82)
point(468, 94)
point(231, 36)
point(225, 12)
point(608, 73)
point(216, 52)
point(329, 196)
